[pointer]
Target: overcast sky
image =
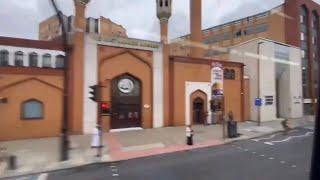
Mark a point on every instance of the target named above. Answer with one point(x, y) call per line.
point(20, 18)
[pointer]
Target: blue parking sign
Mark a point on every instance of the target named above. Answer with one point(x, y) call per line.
point(258, 102)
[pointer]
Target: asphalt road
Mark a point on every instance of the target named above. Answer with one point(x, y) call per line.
point(273, 157)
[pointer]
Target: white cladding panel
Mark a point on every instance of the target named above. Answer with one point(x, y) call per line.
point(90, 114)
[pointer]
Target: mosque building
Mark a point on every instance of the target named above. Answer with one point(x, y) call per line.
point(145, 84)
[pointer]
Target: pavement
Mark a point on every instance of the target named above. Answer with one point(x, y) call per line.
point(286, 158)
point(42, 155)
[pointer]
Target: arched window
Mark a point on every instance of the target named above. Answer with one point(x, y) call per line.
point(46, 61)
point(161, 3)
point(18, 58)
point(303, 14)
point(60, 61)
point(166, 3)
point(4, 58)
point(32, 109)
point(33, 59)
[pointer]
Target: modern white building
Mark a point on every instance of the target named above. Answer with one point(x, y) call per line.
point(275, 76)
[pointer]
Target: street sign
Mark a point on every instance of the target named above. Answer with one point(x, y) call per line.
point(258, 102)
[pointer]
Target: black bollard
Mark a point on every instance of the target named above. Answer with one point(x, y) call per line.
point(190, 140)
point(189, 134)
point(12, 162)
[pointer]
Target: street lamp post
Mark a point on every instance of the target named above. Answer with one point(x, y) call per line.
point(64, 129)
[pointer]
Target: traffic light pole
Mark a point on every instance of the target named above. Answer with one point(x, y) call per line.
point(64, 129)
point(100, 130)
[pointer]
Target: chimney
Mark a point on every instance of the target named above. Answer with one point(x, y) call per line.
point(195, 28)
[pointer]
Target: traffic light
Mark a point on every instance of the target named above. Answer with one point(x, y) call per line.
point(94, 93)
point(105, 108)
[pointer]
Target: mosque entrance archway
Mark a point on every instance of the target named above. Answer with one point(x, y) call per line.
point(126, 102)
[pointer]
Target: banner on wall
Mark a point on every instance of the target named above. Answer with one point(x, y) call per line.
point(217, 79)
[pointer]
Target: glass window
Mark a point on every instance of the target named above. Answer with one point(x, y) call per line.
point(313, 40)
point(32, 109)
point(303, 54)
point(229, 74)
point(303, 28)
point(249, 30)
point(301, 19)
point(238, 33)
point(226, 36)
point(262, 28)
point(96, 26)
point(33, 60)
point(303, 36)
point(315, 20)
point(59, 61)
point(4, 58)
point(46, 61)
point(18, 58)
point(304, 45)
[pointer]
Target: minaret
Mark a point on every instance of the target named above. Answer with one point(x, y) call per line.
point(76, 69)
point(195, 28)
point(164, 13)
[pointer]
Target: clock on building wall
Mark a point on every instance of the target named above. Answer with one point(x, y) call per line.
point(125, 85)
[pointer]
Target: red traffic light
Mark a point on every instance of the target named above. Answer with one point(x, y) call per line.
point(105, 106)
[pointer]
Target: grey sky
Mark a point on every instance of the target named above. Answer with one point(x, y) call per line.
point(20, 18)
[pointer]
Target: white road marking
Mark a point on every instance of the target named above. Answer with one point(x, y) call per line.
point(271, 158)
point(113, 166)
point(114, 170)
point(288, 138)
point(115, 174)
point(293, 166)
point(270, 137)
point(257, 140)
point(282, 162)
point(262, 155)
point(43, 176)
point(254, 152)
point(246, 149)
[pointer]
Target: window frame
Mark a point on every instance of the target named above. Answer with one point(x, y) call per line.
point(22, 110)
point(5, 54)
point(261, 28)
point(229, 74)
point(16, 59)
point(43, 60)
point(63, 60)
point(33, 54)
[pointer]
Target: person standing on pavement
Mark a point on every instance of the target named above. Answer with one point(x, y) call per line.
point(286, 126)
